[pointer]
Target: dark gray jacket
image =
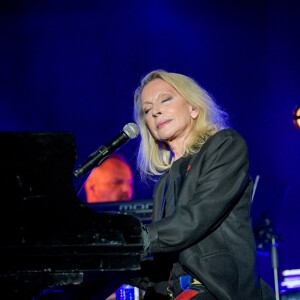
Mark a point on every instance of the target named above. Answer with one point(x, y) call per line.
point(210, 228)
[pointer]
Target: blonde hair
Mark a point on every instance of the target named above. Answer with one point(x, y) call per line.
point(155, 157)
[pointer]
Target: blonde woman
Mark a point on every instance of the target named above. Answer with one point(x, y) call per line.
point(201, 236)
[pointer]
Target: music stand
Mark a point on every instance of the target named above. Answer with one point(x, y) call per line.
point(268, 198)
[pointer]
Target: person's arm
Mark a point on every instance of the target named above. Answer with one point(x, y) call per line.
point(208, 196)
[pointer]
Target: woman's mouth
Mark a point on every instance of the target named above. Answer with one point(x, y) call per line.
point(162, 124)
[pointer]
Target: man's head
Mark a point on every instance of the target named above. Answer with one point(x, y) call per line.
point(111, 181)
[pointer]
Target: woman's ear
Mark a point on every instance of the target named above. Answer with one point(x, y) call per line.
point(195, 112)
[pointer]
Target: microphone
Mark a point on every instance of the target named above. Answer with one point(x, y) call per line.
point(130, 131)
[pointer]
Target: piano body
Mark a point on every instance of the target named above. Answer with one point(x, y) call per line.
point(49, 237)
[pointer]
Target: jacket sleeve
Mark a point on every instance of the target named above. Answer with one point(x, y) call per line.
point(214, 183)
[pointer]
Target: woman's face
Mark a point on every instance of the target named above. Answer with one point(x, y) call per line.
point(167, 114)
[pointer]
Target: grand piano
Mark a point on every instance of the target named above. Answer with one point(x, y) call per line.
point(49, 237)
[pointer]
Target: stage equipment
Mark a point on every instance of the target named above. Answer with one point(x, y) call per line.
point(142, 209)
point(268, 198)
point(296, 116)
point(290, 286)
point(49, 237)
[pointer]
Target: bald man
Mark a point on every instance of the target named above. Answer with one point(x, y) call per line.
point(111, 181)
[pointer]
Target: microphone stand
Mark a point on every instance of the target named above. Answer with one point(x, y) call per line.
point(266, 237)
point(82, 182)
point(275, 266)
point(84, 177)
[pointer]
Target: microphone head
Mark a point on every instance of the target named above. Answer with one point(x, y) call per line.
point(131, 130)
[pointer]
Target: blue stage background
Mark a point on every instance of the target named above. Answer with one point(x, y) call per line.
point(74, 65)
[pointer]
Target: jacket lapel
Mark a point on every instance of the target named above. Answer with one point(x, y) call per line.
point(158, 196)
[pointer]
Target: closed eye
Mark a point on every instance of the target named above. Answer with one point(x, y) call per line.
point(167, 99)
point(146, 111)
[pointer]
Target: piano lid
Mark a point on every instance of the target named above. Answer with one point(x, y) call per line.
point(38, 202)
point(35, 182)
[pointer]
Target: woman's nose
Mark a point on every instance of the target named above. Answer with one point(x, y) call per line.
point(156, 110)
